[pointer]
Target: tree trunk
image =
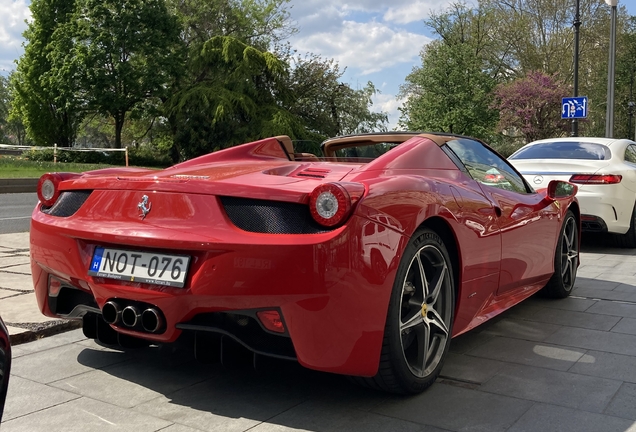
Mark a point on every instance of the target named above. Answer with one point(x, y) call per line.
point(119, 125)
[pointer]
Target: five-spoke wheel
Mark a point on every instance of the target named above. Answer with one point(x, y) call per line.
point(420, 318)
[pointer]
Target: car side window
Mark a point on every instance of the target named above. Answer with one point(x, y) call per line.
point(630, 154)
point(486, 167)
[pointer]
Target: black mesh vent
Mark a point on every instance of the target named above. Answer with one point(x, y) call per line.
point(67, 204)
point(271, 217)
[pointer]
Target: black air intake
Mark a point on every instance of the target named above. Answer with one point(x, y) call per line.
point(67, 204)
point(270, 217)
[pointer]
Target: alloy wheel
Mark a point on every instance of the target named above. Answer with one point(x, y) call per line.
point(425, 311)
point(569, 253)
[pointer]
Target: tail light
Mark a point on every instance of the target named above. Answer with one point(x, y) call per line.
point(596, 178)
point(271, 320)
point(330, 204)
point(48, 186)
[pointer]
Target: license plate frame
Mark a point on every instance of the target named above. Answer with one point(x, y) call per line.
point(136, 266)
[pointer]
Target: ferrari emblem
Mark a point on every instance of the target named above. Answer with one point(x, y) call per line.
point(424, 310)
point(144, 206)
point(557, 204)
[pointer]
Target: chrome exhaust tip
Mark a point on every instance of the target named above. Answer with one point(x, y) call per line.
point(130, 316)
point(151, 320)
point(111, 312)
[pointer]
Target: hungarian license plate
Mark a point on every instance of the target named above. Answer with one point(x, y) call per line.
point(134, 266)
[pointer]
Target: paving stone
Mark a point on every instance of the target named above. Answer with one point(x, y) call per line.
point(617, 277)
point(626, 325)
point(594, 340)
point(4, 293)
point(15, 281)
point(520, 329)
point(582, 282)
point(554, 387)
point(468, 368)
point(528, 353)
point(64, 362)
point(25, 397)
point(607, 365)
point(7, 262)
point(85, 415)
point(614, 308)
point(179, 428)
point(593, 294)
point(139, 381)
point(227, 402)
point(550, 418)
point(624, 403)
point(569, 303)
point(327, 417)
point(49, 342)
point(576, 319)
point(466, 342)
point(15, 241)
point(22, 309)
point(19, 268)
point(457, 409)
point(628, 288)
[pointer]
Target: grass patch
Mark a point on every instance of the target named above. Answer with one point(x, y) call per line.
point(16, 167)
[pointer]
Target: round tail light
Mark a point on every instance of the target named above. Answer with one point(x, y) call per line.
point(330, 204)
point(49, 186)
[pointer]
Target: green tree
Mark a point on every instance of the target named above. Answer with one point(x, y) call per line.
point(237, 97)
point(326, 106)
point(450, 92)
point(123, 52)
point(46, 106)
point(260, 23)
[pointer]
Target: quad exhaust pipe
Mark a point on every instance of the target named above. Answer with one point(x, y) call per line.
point(111, 312)
point(130, 316)
point(151, 320)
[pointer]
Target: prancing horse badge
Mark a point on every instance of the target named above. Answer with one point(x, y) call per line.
point(144, 206)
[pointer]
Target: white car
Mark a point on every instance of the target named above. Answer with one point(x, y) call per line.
point(604, 170)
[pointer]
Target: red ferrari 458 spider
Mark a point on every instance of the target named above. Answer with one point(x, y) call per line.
point(364, 261)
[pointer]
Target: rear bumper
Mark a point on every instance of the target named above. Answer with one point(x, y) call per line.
point(613, 204)
point(333, 304)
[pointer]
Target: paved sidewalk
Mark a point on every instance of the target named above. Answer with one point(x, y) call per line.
point(543, 366)
point(18, 307)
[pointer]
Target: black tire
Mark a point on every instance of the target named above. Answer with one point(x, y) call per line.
point(566, 259)
point(419, 320)
point(628, 240)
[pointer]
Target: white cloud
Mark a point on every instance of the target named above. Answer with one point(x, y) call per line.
point(417, 10)
point(12, 24)
point(389, 104)
point(369, 47)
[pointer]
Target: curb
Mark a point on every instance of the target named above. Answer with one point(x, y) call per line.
point(30, 336)
point(18, 185)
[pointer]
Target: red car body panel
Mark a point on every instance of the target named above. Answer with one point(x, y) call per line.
point(333, 287)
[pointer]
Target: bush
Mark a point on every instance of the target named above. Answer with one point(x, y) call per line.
point(145, 156)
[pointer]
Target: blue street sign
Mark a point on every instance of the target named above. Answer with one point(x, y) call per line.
point(574, 107)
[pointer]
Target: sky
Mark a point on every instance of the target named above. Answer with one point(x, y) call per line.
point(375, 40)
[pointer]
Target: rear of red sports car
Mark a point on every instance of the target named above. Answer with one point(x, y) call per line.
point(228, 248)
point(364, 264)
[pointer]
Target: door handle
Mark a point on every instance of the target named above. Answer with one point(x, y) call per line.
point(497, 211)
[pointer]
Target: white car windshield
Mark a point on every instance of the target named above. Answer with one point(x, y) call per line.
point(564, 150)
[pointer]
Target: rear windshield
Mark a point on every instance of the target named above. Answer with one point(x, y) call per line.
point(564, 150)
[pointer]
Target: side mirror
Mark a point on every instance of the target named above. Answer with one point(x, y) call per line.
point(561, 189)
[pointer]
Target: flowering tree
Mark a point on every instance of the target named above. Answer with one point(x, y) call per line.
point(531, 106)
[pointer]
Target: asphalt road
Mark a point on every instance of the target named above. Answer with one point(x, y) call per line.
point(15, 211)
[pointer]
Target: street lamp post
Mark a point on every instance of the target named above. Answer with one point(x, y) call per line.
point(609, 116)
point(577, 24)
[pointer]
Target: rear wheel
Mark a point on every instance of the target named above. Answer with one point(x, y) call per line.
point(566, 259)
point(420, 317)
